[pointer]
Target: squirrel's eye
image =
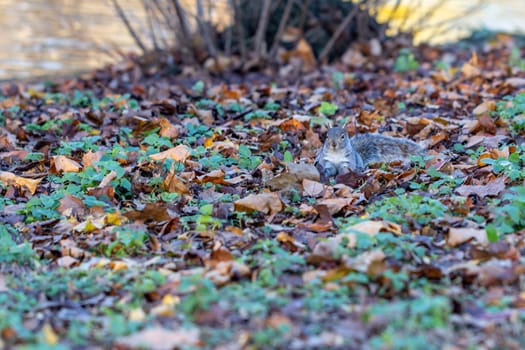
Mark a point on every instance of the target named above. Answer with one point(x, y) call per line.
point(343, 137)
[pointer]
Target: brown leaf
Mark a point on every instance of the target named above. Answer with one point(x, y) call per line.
point(267, 203)
point(151, 211)
point(484, 107)
point(63, 164)
point(487, 123)
point(179, 154)
point(294, 176)
point(89, 158)
point(493, 188)
point(172, 183)
point(457, 236)
point(71, 205)
point(313, 188)
point(374, 227)
point(365, 260)
point(67, 262)
point(335, 205)
point(158, 338)
point(10, 179)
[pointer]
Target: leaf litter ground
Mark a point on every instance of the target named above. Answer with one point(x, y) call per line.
point(184, 212)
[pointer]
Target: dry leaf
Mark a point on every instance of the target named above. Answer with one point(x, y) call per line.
point(10, 179)
point(312, 188)
point(457, 236)
point(493, 188)
point(64, 164)
point(267, 203)
point(158, 338)
point(179, 154)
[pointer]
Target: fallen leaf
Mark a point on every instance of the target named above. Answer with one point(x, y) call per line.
point(267, 203)
point(179, 154)
point(10, 179)
point(484, 107)
point(294, 175)
point(335, 205)
point(67, 261)
point(364, 261)
point(151, 211)
point(71, 205)
point(158, 338)
point(312, 188)
point(493, 188)
point(89, 158)
point(63, 164)
point(172, 183)
point(457, 236)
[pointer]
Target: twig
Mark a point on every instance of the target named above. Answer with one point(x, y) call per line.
point(204, 29)
point(304, 14)
point(239, 28)
point(261, 29)
point(282, 25)
point(131, 31)
point(179, 11)
point(346, 22)
point(149, 14)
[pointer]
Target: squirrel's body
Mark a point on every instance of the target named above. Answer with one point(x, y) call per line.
point(341, 153)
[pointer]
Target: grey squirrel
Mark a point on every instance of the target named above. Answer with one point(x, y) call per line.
point(341, 153)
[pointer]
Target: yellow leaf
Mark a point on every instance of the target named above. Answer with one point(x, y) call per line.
point(118, 265)
point(50, 337)
point(114, 219)
point(137, 315)
point(171, 300)
point(11, 179)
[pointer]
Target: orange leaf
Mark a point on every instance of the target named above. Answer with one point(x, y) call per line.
point(11, 179)
point(64, 164)
point(178, 154)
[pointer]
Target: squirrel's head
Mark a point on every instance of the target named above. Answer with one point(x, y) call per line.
point(336, 138)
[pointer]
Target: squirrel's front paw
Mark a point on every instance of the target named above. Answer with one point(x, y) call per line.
point(329, 172)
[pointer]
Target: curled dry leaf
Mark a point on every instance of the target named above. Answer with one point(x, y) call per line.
point(484, 107)
point(312, 188)
point(10, 179)
point(267, 203)
point(63, 164)
point(335, 205)
point(493, 188)
point(294, 175)
point(363, 262)
point(457, 236)
point(151, 211)
point(374, 227)
point(172, 183)
point(89, 158)
point(67, 261)
point(158, 338)
point(179, 154)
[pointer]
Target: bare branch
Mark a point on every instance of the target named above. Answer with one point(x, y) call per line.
point(239, 28)
point(261, 29)
point(185, 31)
point(282, 25)
point(203, 27)
point(131, 31)
point(346, 22)
point(149, 19)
